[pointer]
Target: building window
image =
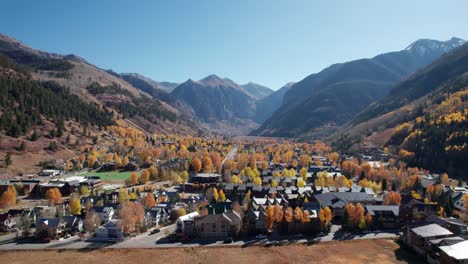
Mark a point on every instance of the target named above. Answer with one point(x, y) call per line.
point(223, 227)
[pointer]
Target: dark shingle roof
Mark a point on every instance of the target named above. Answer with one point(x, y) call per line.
point(395, 209)
point(339, 200)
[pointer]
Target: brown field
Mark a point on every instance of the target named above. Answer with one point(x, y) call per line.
point(362, 251)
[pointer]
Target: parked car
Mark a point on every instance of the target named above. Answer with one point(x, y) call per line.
point(260, 236)
point(228, 240)
point(46, 240)
point(154, 231)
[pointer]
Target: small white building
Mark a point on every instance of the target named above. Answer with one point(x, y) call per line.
point(183, 220)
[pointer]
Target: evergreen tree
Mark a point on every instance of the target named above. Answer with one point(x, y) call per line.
point(8, 161)
point(53, 146)
point(384, 184)
point(394, 186)
point(52, 133)
point(22, 146)
point(59, 128)
point(34, 136)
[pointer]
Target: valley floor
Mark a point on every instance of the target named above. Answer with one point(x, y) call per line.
point(357, 251)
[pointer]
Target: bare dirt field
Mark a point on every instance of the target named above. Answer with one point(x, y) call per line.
point(358, 251)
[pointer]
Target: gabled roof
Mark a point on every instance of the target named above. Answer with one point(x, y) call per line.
point(340, 199)
point(213, 218)
point(457, 251)
point(50, 222)
point(432, 230)
point(188, 216)
point(372, 209)
point(71, 220)
point(412, 203)
point(446, 241)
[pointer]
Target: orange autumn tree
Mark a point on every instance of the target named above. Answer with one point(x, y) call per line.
point(288, 215)
point(325, 216)
point(207, 164)
point(278, 213)
point(150, 201)
point(305, 160)
point(465, 200)
point(217, 160)
point(368, 219)
point(298, 214)
point(354, 215)
point(8, 197)
point(196, 164)
point(435, 191)
point(131, 217)
point(145, 176)
point(270, 212)
point(91, 160)
point(392, 198)
point(305, 217)
point(53, 195)
point(75, 205)
point(134, 178)
point(222, 196)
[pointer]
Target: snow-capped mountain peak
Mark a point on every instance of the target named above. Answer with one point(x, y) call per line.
point(423, 46)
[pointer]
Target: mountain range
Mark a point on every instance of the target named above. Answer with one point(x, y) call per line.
point(399, 100)
point(338, 93)
point(138, 105)
point(424, 118)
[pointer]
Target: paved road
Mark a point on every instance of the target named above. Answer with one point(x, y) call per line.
point(154, 241)
point(145, 240)
point(230, 155)
point(141, 241)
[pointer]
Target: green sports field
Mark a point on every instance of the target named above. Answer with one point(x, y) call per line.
point(110, 175)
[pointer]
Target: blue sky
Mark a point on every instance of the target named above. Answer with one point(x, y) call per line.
point(265, 41)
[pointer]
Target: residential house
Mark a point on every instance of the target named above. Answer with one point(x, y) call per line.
point(216, 226)
point(110, 231)
point(385, 216)
point(185, 224)
point(207, 178)
point(456, 253)
point(156, 216)
point(418, 237)
point(338, 200)
point(73, 224)
point(50, 227)
point(256, 221)
point(416, 210)
point(236, 224)
point(455, 225)
point(105, 213)
point(7, 222)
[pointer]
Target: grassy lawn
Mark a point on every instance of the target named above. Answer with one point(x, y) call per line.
point(109, 175)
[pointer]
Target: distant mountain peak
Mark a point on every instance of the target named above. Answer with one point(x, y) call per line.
point(214, 80)
point(423, 46)
point(76, 58)
point(212, 77)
